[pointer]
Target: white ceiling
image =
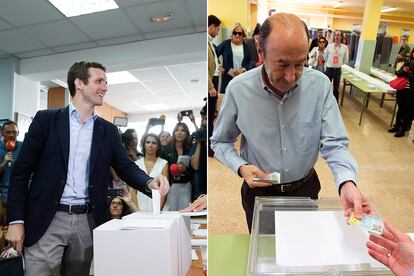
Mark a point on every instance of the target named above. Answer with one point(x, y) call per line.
point(168, 59)
point(404, 7)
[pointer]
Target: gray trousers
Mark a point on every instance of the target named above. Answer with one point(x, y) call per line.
point(64, 249)
point(179, 196)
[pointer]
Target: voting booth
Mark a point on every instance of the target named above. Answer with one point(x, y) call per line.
point(301, 236)
point(143, 244)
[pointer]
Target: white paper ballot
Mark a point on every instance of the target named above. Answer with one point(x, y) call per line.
point(194, 214)
point(185, 159)
point(156, 202)
point(318, 238)
point(194, 256)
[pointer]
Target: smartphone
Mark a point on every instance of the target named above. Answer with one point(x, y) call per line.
point(261, 179)
point(114, 192)
point(186, 112)
point(156, 121)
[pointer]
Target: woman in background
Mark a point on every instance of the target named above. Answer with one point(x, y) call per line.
point(405, 100)
point(344, 40)
point(236, 56)
point(316, 55)
point(176, 153)
point(165, 138)
point(130, 141)
point(120, 206)
point(152, 165)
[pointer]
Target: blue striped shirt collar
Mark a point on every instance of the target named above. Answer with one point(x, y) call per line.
point(74, 112)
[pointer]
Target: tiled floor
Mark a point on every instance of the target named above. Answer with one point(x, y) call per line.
point(386, 172)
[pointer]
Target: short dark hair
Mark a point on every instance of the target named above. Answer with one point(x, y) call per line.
point(9, 123)
point(144, 139)
point(257, 29)
point(203, 111)
point(127, 137)
point(267, 28)
point(213, 20)
point(329, 31)
point(80, 70)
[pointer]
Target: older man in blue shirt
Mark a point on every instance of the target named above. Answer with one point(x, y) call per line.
point(286, 114)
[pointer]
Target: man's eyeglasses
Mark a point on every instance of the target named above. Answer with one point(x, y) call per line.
point(238, 33)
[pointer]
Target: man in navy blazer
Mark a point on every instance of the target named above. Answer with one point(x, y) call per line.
point(68, 153)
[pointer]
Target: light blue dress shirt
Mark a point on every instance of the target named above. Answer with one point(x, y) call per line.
point(283, 134)
point(76, 188)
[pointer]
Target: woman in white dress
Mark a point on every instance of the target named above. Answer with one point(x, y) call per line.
point(153, 165)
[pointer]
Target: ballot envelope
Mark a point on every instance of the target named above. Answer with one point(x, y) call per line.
point(270, 254)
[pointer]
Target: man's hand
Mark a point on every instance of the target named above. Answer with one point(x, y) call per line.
point(192, 118)
point(8, 157)
point(353, 200)
point(15, 235)
point(179, 117)
point(248, 172)
point(160, 183)
point(198, 205)
point(212, 92)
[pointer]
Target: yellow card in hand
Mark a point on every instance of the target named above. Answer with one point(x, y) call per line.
point(353, 219)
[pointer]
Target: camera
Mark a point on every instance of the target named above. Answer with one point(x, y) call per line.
point(156, 121)
point(200, 134)
point(186, 112)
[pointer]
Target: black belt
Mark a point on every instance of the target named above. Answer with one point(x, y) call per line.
point(291, 186)
point(74, 209)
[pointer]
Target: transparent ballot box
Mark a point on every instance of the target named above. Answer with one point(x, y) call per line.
point(262, 251)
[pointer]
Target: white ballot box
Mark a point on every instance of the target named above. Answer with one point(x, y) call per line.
point(301, 236)
point(143, 244)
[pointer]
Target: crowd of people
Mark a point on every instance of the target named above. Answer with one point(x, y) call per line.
point(179, 156)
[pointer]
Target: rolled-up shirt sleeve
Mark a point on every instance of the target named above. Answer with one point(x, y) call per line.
point(334, 141)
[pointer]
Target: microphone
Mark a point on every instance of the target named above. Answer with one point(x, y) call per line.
point(175, 170)
point(10, 146)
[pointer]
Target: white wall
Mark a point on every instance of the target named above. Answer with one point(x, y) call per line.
point(26, 102)
point(26, 95)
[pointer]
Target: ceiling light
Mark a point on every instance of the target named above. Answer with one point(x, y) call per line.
point(388, 9)
point(155, 107)
point(162, 18)
point(337, 4)
point(78, 7)
point(194, 80)
point(120, 77)
point(59, 82)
